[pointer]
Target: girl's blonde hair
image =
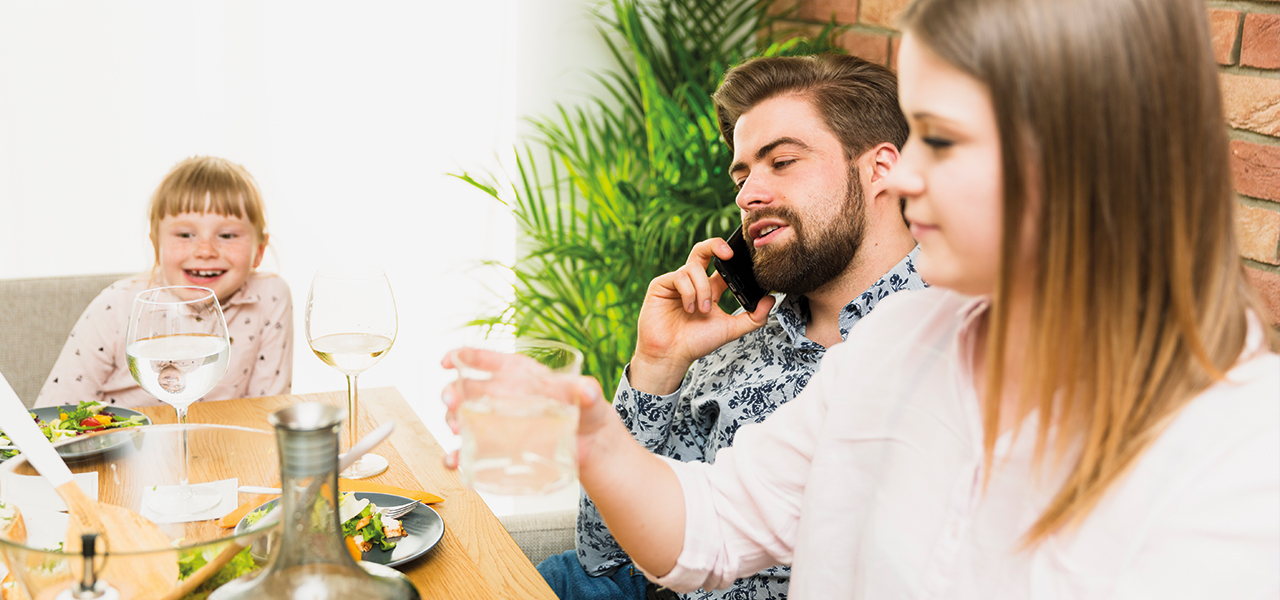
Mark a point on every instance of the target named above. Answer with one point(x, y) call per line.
point(203, 184)
point(1111, 110)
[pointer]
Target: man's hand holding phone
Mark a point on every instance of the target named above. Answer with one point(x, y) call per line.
point(681, 320)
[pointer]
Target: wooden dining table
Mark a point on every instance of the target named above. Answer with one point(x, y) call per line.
point(476, 559)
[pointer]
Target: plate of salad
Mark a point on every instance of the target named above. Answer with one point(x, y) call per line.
point(94, 427)
point(380, 539)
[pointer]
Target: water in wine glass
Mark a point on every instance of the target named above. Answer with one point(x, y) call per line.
point(178, 349)
point(351, 324)
point(178, 369)
point(351, 353)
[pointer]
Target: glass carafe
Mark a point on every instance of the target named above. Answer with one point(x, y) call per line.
point(312, 560)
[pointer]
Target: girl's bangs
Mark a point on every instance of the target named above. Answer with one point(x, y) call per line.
point(226, 203)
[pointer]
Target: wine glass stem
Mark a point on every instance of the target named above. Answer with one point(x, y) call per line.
point(182, 421)
point(353, 406)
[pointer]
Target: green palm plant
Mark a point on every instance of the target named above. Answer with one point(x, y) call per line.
point(610, 195)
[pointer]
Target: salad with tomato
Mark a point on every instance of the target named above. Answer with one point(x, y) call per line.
point(87, 417)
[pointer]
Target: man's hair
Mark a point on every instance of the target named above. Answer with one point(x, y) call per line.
point(203, 184)
point(857, 100)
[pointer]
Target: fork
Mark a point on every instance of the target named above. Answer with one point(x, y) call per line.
point(395, 512)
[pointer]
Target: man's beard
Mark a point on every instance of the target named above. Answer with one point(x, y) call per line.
point(808, 264)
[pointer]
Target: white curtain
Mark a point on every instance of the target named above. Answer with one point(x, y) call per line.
point(348, 114)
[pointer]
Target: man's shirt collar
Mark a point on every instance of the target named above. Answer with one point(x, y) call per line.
point(792, 311)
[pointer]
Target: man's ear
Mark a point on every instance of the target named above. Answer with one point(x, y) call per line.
point(883, 157)
point(877, 162)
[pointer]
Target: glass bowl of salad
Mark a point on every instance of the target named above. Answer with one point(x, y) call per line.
point(33, 528)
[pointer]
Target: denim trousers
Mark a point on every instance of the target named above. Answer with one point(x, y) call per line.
point(570, 581)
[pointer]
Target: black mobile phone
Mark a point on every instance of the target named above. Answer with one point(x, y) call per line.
point(738, 273)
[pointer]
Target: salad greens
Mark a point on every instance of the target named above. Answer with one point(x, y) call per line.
point(368, 525)
point(252, 518)
point(189, 562)
point(86, 417)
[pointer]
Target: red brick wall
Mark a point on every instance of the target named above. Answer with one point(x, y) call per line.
point(1246, 40)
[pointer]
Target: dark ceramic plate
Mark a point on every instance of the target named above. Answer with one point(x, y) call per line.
point(91, 444)
point(424, 526)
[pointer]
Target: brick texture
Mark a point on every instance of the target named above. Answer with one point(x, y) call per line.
point(781, 6)
point(1256, 169)
point(1259, 232)
point(1260, 42)
point(883, 13)
point(1268, 286)
point(845, 11)
point(871, 46)
point(1224, 25)
point(1252, 103)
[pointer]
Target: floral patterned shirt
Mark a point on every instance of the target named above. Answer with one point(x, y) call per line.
point(741, 382)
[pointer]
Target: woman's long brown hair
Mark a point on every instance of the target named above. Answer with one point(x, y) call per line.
point(1110, 109)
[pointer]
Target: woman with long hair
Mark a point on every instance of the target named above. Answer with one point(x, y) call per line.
point(1083, 405)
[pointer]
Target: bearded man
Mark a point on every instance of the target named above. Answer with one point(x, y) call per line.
point(813, 139)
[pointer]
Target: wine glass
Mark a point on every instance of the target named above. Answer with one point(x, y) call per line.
point(178, 348)
point(351, 324)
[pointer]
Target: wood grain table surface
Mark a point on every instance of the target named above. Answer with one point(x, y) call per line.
point(477, 559)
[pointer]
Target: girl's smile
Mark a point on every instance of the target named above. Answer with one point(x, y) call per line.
point(208, 250)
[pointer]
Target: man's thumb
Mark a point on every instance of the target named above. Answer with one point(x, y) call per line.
point(751, 321)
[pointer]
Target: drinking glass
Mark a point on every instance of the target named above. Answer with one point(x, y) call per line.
point(351, 324)
point(515, 440)
point(177, 347)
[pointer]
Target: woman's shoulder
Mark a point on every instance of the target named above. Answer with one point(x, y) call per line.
point(1251, 389)
point(927, 300)
point(903, 329)
point(1245, 405)
point(908, 312)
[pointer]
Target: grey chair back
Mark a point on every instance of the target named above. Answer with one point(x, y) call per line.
point(541, 535)
point(38, 315)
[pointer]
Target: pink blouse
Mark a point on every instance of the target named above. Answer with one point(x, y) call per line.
point(93, 366)
point(870, 485)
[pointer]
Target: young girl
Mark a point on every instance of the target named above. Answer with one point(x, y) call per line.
point(1083, 406)
point(208, 230)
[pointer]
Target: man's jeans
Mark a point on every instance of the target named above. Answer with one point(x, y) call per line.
point(570, 581)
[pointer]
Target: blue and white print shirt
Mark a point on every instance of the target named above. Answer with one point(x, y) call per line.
point(742, 382)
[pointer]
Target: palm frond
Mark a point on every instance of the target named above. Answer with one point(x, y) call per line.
point(610, 195)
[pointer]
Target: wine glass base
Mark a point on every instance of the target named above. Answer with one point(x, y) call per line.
point(368, 466)
point(177, 502)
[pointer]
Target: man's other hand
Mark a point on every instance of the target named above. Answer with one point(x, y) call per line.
point(681, 321)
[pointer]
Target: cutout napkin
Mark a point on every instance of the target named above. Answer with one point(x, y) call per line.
point(226, 489)
point(32, 492)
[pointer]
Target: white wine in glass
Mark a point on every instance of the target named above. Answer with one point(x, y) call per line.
point(351, 324)
point(178, 349)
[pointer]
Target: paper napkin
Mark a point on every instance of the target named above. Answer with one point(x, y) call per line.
point(32, 492)
point(226, 490)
